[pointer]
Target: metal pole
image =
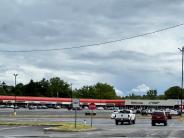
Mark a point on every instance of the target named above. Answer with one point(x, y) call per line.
point(57, 98)
point(182, 83)
point(75, 117)
point(182, 51)
point(100, 98)
point(71, 96)
point(14, 111)
point(91, 118)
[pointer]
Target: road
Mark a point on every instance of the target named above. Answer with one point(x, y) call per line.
point(106, 128)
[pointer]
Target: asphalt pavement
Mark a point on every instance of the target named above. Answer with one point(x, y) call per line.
point(105, 128)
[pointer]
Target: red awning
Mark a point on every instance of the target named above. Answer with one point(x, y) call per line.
point(48, 99)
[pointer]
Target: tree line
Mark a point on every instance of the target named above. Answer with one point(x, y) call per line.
point(56, 87)
point(174, 92)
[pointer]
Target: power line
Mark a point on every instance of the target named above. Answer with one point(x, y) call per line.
point(96, 44)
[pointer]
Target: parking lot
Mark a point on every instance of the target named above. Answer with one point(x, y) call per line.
point(105, 127)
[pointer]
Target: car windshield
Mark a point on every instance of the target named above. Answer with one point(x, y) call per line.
point(158, 113)
point(125, 111)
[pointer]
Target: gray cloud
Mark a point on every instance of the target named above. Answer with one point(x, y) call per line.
point(36, 24)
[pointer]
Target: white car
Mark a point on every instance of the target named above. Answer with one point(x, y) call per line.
point(174, 112)
point(100, 108)
point(125, 116)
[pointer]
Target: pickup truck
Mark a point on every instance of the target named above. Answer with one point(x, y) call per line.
point(125, 116)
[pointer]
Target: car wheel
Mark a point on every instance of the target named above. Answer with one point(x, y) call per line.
point(153, 123)
point(121, 123)
point(130, 122)
point(116, 122)
point(165, 123)
point(133, 121)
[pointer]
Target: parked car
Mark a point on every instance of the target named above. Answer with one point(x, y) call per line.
point(31, 107)
point(159, 117)
point(16, 107)
point(100, 108)
point(138, 111)
point(2, 106)
point(168, 114)
point(57, 107)
point(9, 106)
point(175, 112)
point(86, 108)
point(144, 112)
point(42, 107)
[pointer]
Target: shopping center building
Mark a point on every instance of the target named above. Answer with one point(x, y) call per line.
point(127, 103)
point(170, 103)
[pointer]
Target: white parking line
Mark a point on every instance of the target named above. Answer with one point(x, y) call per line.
point(12, 128)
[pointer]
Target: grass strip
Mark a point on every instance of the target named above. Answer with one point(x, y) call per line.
point(71, 128)
point(53, 126)
point(51, 116)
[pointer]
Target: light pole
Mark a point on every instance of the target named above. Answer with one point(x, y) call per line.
point(182, 52)
point(14, 111)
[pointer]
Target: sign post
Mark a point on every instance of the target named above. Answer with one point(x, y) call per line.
point(92, 107)
point(76, 104)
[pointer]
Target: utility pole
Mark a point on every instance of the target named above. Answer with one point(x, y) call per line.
point(57, 95)
point(182, 51)
point(14, 111)
point(71, 96)
point(100, 98)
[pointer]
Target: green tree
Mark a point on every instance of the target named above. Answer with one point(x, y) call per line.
point(19, 89)
point(152, 94)
point(97, 91)
point(43, 87)
point(133, 96)
point(173, 93)
point(31, 89)
point(59, 88)
point(85, 92)
point(105, 91)
point(3, 88)
point(7, 90)
point(161, 97)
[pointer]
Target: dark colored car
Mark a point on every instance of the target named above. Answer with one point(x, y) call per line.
point(42, 107)
point(159, 117)
point(31, 107)
point(144, 112)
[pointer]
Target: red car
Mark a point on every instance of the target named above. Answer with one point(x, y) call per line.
point(159, 117)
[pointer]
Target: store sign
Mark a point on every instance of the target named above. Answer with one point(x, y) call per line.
point(136, 103)
point(76, 103)
point(154, 102)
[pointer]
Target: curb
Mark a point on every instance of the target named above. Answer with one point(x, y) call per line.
point(55, 130)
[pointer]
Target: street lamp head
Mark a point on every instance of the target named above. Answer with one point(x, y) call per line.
point(15, 74)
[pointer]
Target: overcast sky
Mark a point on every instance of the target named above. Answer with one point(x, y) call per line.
point(135, 65)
